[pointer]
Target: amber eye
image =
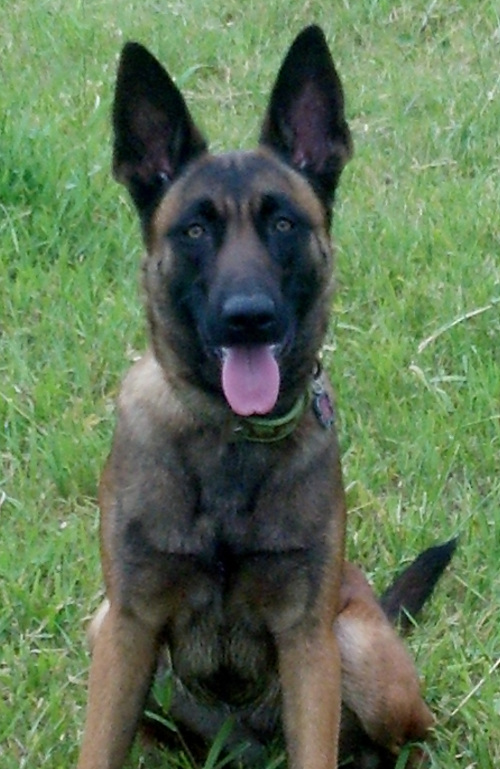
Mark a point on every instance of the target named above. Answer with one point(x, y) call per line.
point(283, 224)
point(195, 231)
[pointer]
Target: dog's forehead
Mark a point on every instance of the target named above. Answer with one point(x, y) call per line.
point(239, 179)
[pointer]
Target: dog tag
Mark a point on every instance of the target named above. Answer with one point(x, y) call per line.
point(322, 405)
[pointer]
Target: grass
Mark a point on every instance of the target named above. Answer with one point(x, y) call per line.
point(413, 349)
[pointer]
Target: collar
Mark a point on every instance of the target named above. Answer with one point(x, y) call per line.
point(271, 430)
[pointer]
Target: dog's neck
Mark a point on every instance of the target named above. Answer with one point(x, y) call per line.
point(273, 429)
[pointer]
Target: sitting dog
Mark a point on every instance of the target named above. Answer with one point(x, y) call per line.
point(222, 501)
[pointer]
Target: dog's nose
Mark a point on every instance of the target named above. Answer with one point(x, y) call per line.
point(249, 317)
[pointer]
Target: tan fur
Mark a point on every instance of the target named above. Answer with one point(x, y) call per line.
point(379, 680)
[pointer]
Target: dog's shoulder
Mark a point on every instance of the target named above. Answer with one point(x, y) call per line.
point(153, 402)
point(147, 401)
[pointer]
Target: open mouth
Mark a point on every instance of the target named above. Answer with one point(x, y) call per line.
point(250, 378)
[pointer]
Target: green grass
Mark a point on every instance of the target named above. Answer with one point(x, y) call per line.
point(418, 233)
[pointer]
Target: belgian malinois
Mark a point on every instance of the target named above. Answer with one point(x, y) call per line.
point(222, 501)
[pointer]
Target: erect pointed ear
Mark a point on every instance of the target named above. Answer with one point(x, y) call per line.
point(154, 134)
point(305, 121)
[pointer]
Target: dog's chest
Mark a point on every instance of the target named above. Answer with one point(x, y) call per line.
point(205, 499)
point(219, 643)
point(233, 486)
point(244, 579)
point(233, 548)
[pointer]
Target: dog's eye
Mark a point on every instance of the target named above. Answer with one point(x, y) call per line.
point(283, 224)
point(195, 231)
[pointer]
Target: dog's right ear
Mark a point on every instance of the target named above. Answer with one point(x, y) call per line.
point(154, 134)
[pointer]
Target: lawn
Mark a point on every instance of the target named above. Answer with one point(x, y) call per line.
point(413, 349)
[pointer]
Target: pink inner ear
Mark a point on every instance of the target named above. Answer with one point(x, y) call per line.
point(309, 121)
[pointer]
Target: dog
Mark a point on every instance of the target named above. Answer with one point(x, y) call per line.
point(222, 501)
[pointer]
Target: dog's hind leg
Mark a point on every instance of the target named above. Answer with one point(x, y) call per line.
point(379, 679)
point(383, 707)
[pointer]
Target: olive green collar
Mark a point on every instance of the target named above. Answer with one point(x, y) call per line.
point(266, 430)
point(271, 430)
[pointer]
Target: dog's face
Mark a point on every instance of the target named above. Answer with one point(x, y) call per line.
point(238, 271)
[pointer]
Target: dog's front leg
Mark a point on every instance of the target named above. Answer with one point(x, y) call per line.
point(123, 661)
point(309, 666)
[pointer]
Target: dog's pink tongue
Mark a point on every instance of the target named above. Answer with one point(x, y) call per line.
point(250, 379)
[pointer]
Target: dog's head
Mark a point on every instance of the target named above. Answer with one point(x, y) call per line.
point(238, 272)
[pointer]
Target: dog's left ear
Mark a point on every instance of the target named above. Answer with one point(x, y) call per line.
point(305, 121)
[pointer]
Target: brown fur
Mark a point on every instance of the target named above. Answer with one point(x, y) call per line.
point(382, 705)
point(379, 680)
point(223, 558)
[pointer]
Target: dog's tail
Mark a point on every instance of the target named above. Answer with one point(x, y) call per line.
point(403, 600)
